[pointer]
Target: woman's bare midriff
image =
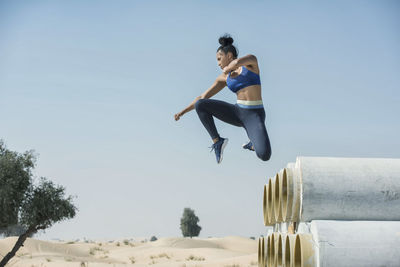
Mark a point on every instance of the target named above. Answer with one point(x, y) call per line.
point(249, 93)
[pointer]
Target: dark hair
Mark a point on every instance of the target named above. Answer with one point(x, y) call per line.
point(226, 42)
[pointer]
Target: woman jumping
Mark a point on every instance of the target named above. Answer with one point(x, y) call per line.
point(241, 75)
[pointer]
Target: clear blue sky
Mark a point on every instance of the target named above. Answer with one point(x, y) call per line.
point(92, 86)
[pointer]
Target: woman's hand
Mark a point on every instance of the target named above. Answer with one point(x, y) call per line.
point(231, 66)
point(226, 70)
point(178, 116)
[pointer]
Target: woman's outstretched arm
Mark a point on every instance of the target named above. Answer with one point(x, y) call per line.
point(217, 86)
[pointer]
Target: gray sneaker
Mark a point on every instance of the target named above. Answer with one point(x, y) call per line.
point(219, 147)
point(248, 146)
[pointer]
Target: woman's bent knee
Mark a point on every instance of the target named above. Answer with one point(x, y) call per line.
point(264, 155)
point(199, 103)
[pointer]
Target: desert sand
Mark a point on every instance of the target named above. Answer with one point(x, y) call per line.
point(230, 251)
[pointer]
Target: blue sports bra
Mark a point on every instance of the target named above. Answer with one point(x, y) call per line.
point(244, 79)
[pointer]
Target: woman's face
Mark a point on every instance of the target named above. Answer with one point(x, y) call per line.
point(223, 59)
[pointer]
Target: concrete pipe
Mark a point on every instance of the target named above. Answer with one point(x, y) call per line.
point(263, 252)
point(357, 243)
point(291, 195)
point(268, 251)
point(270, 202)
point(265, 262)
point(305, 251)
point(280, 252)
point(289, 250)
point(265, 212)
point(291, 165)
point(273, 246)
point(348, 188)
point(286, 192)
point(267, 220)
point(275, 260)
point(278, 197)
point(260, 239)
point(271, 250)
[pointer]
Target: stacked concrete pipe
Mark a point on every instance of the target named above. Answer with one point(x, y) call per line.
point(348, 193)
point(261, 252)
point(347, 189)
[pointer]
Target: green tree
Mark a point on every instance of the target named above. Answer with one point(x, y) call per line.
point(189, 224)
point(15, 179)
point(38, 208)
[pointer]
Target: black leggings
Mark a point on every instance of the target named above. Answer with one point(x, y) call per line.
point(253, 121)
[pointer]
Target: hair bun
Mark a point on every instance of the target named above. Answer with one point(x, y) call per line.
point(225, 40)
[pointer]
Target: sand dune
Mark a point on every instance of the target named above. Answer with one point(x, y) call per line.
point(181, 252)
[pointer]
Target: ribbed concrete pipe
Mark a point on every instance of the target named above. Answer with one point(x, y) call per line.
point(263, 252)
point(271, 250)
point(278, 197)
point(291, 203)
point(348, 188)
point(270, 201)
point(305, 251)
point(260, 251)
point(275, 260)
point(280, 252)
point(273, 246)
point(267, 251)
point(291, 165)
point(267, 220)
point(287, 194)
point(357, 243)
point(265, 213)
point(289, 250)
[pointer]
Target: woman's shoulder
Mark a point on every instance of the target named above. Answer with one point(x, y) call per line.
point(254, 68)
point(222, 77)
point(253, 64)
